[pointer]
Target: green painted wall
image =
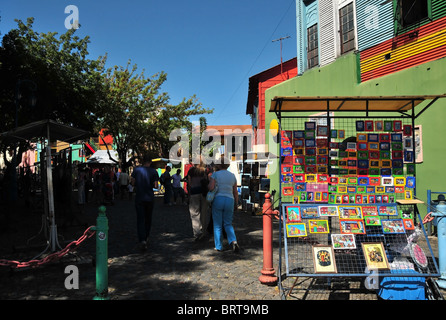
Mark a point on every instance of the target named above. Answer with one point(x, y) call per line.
point(341, 79)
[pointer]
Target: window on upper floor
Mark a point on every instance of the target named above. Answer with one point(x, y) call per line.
point(412, 11)
point(347, 28)
point(313, 47)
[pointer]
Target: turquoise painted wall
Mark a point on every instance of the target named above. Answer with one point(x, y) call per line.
point(341, 79)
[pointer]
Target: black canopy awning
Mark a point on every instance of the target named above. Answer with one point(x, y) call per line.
point(41, 129)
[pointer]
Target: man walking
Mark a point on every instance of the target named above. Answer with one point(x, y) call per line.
point(177, 189)
point(144, 179)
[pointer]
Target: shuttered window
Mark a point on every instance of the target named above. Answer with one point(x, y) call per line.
point(313, 47)
point(347, 30)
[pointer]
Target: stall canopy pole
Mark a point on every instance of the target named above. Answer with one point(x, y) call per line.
point(53, 227)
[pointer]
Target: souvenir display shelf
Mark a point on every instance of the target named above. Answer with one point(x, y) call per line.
point(343, 181)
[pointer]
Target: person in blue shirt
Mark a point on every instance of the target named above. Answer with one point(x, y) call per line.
point(144, 179)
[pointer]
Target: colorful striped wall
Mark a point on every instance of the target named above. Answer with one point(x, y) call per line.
point(409, 49)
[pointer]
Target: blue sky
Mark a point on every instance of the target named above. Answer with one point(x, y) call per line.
point(208, 48)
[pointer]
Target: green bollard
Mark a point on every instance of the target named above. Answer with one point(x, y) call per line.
point(101, 255)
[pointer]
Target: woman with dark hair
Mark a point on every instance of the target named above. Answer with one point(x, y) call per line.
point(198, 206)
point(225, 201)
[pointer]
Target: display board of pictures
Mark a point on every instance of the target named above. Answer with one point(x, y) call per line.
point(377, 168)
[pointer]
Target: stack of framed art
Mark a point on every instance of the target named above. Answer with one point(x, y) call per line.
point(339, 185)
point(374, 165)
point(323, 239)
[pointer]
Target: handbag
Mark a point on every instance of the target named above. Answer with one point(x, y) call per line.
point(211, 194)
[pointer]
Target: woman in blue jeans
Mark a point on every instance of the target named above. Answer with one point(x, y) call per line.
point(223, 206)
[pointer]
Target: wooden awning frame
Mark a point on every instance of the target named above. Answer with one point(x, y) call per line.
point(367, 104)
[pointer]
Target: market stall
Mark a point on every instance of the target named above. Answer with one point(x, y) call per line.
point(348, 187)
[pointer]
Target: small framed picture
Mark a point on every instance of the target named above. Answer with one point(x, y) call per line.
point(408, 143)
point(388, 126)
point(341, 134)
point(328, 211)
point(334, 134)
point(368, 126)
point(362, 146)
point(286, 152)
point(352, 226)
point(408, 224)
point(375, 255)
point(397, 126)
point(351, 145)
point(396, 137)
point(296, 230)
point(384, 137)
point(408, 194)
point(318, 226)
point(310, 151)
point(360, 125)
point(379, 125)
point(407, 130)
point(322, 131)
point(287, 191)
point(287, 169)
point(309, 125)
point(373, 137)
point(343, 241)
point(387, 181)
point(298, 134)
point(333, 145)
point(324, 259)
point(410, 182)
point(300, 186)
point(408, 156)
point(310, 143)
point(374, 146)
point(393, 226)
point(311, 134)
point(370, 211)
point(372, 221)
point(384, 145)
point(298, 143)
point(361, 137)
point(309, 212)
point(293, 214)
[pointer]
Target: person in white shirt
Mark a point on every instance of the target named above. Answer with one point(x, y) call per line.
point(124, 180)
point(177, 189)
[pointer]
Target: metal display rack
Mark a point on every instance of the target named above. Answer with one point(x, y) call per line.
point(307, 232)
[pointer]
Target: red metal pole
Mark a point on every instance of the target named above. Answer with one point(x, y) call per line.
point(268, 273)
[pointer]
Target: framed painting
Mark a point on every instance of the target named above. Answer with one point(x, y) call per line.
point(349, 212)
point(296, 230)
point(375, 256)
point(318, 226)
point(324, 259)
point(322, 131)
point(372, 221)
point(408, 224)
point(393, 226)
point(310, 125)
point(293, 214)
point(328, 211)
point(287, 191)
point(379, 125)
point(368, 125)
point(351, 226)
point(369, 211)
point(343, 241)
point(309, 212)
point(387, 211)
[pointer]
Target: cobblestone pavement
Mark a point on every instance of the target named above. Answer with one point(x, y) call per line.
point(175, 267)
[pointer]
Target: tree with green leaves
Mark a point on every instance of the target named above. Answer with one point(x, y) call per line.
point(138, 114)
